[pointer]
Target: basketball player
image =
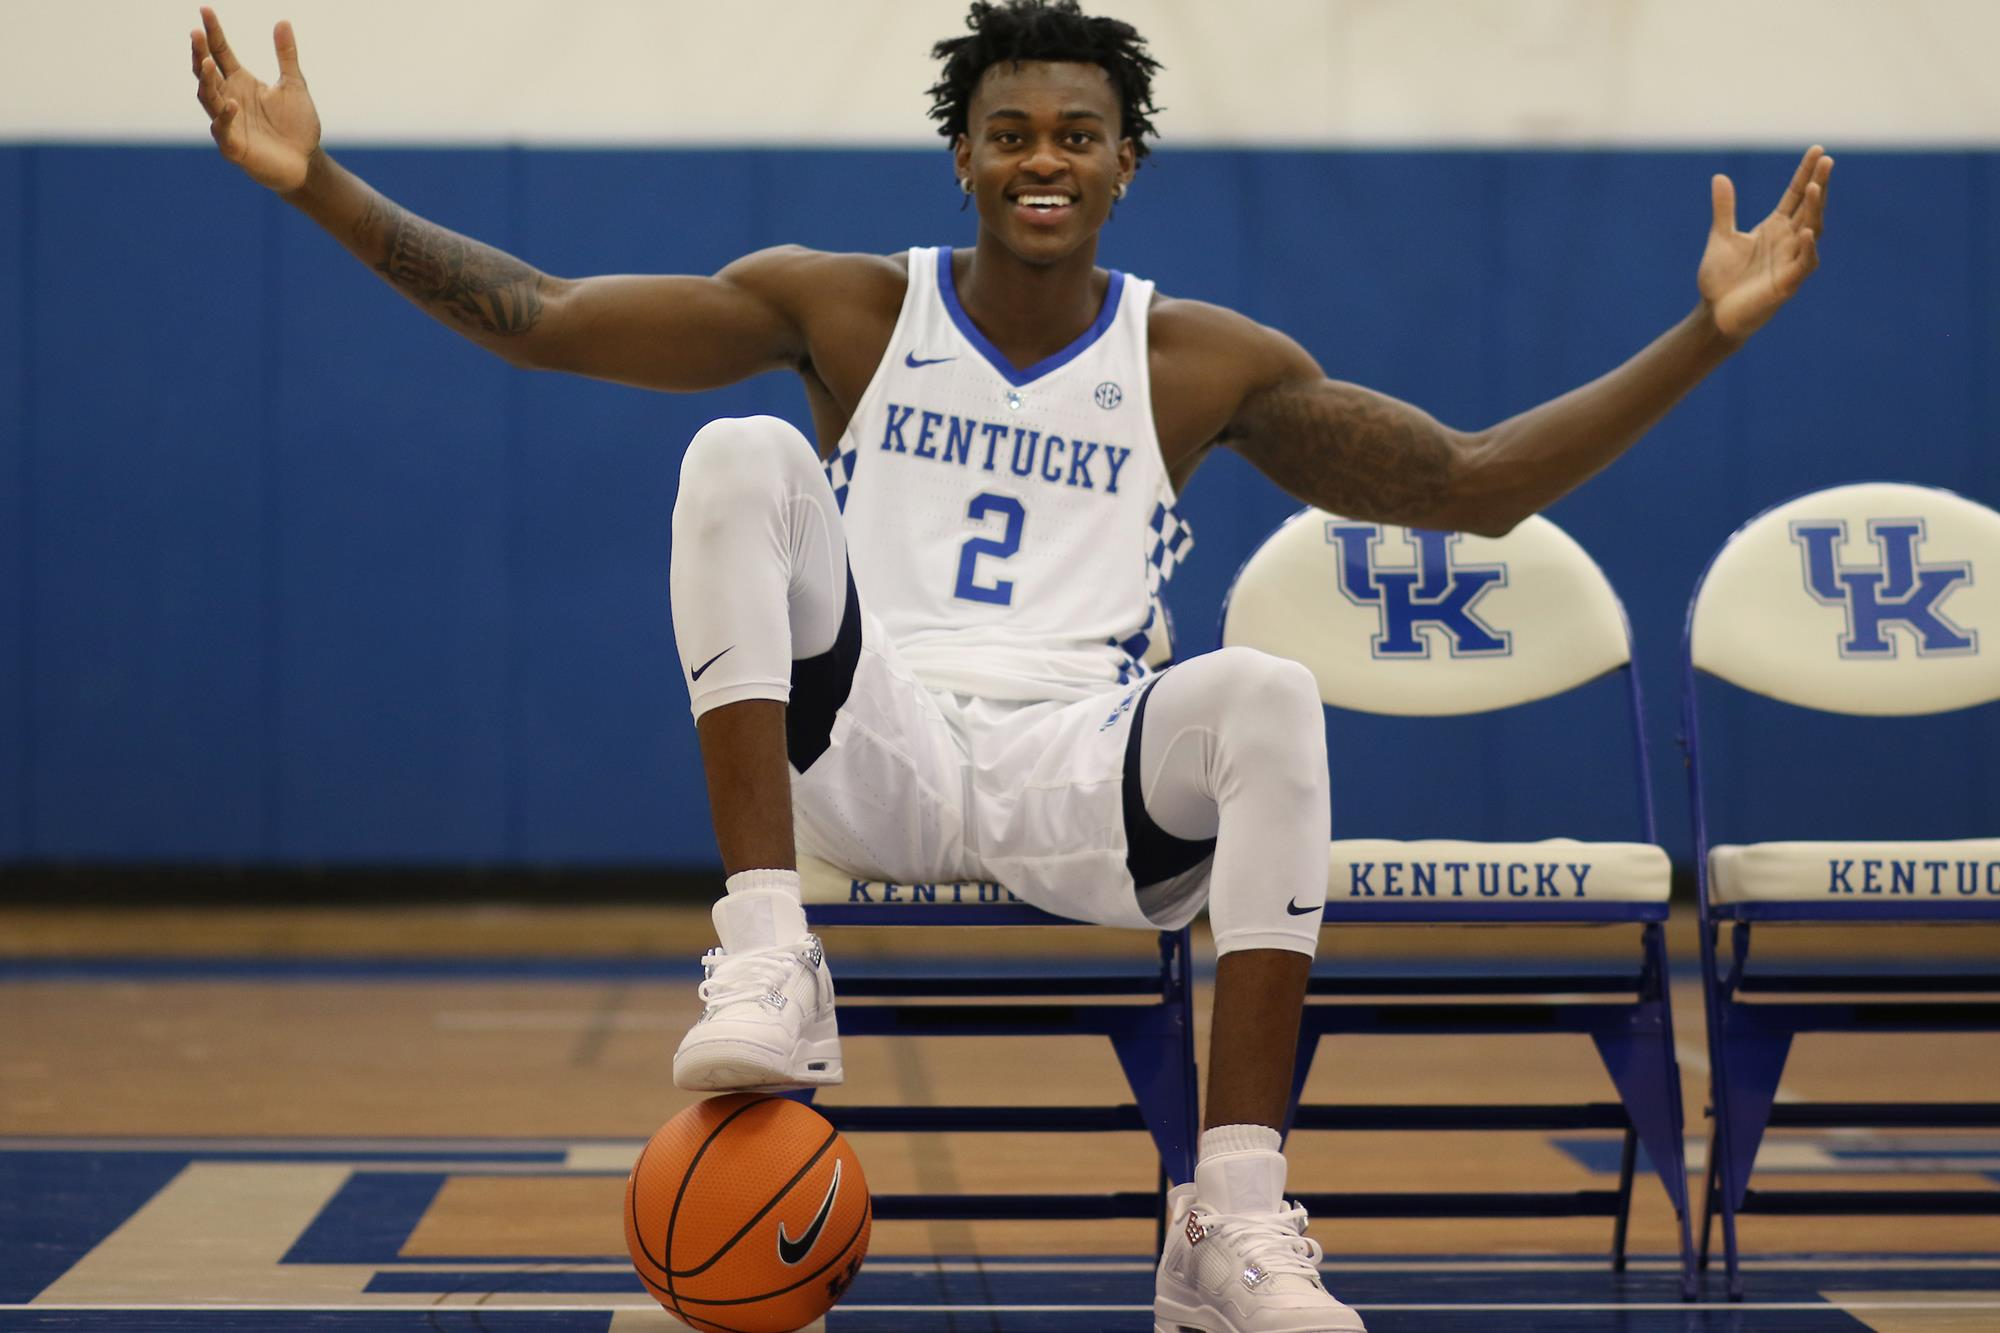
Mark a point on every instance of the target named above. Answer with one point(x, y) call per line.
point(915, 645)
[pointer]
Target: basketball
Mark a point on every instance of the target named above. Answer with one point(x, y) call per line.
point(747, 1214)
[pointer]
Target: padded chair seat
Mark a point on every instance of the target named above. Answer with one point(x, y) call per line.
point(1384, 873)
point(1959, 873)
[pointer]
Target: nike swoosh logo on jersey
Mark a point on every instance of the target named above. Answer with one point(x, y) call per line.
point(1297, 910)
point(792, 1251)
point(911, 360)
point(696, 673)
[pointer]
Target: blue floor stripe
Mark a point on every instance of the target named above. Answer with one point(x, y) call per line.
point(56, 1206)
point(368, 1219)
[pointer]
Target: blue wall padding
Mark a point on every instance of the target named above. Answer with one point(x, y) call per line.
point(16, 399)
point(290, 574)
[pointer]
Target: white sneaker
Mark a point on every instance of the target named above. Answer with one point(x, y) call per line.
point(767, 1022)
point(1242, 1273)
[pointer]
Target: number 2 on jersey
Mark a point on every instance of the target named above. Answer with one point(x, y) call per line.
point(1001, 591)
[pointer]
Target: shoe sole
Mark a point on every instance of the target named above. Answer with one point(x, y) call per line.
point(1173, 1317)
point(729, 1065)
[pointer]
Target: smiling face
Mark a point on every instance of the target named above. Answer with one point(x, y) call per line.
point(1044, 152)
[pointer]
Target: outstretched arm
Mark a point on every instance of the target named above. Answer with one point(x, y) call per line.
point(653, 331)
point(1366, 455)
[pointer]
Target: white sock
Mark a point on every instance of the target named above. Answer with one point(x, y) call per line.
point(747, 880)
point(747, 919)
point(1241, 1170)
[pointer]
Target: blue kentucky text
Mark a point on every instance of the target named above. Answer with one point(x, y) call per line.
point(1467, 879)
point(875, 891)
point(1911, 878)
point(995, 446)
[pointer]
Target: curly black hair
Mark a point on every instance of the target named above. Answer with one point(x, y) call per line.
point(1018, 30)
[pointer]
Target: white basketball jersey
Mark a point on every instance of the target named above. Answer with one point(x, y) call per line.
point(1011, 529)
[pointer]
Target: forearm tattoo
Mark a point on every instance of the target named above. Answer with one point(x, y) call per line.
point(474, 284)
point(1348, 450)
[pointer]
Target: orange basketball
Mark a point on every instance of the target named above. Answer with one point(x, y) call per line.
point(747, 1214)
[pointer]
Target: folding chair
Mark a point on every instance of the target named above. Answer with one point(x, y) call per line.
point(1857, 600)
point(1146, 1012)
point(1396, 621)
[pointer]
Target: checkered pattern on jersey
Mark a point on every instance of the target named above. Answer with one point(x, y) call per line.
point(1168, 541)
point(840, 473)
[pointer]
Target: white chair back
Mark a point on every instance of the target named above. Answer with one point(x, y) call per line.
point(1405, 621)
point(1879, 599)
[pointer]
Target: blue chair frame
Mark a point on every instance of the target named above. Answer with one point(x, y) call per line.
point(1752, 1019)
point(1146, 1013)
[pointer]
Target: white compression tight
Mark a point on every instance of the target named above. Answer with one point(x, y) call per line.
point(1233, 746)
point(756, 528)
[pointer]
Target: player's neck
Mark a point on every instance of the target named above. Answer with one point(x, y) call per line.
point(1029, 311)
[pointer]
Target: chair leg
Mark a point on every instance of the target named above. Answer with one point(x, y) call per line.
point(1658, 986)
point(1155, 1050)
point(1627, 1160)
point(1178, 950)
point(1708, 1192)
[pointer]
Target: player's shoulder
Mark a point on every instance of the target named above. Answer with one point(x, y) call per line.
point(1217, 337)
point(801, 277)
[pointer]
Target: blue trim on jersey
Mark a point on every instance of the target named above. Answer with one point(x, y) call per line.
point(1018, 378)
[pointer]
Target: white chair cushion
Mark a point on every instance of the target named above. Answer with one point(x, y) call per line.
point(1864, 873)
point(824, 884)
point(1442, 870)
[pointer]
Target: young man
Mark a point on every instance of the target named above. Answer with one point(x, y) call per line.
point(918, 642)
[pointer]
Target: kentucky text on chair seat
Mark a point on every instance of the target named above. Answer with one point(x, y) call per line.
point(867, 891)
point(1467, 879)
point(1898, 877)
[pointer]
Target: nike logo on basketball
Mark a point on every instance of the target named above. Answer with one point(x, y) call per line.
point(1297, 910)
point(696, 673)
point(794, 1251)
point(914, 362)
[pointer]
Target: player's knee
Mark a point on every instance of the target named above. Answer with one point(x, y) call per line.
point(1271, 705)
point(737, 461)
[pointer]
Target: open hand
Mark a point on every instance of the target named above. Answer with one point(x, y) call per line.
point(270, 130)
point(1746, 275)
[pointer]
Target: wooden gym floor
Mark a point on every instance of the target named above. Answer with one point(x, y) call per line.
point(380, 1119)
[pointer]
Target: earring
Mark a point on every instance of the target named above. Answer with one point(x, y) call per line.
point(965, 184)
point(1118, 190)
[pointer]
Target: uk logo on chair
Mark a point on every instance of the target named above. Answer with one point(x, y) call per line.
point(1899, 592)
point(1433, 594)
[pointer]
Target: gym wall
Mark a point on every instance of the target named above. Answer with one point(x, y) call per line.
point(290, 575)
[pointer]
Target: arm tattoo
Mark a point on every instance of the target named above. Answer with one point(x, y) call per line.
point(1348, 450)
point(474, 284)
